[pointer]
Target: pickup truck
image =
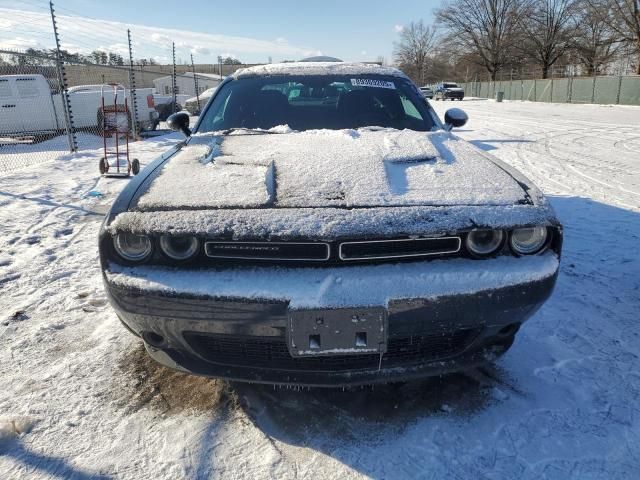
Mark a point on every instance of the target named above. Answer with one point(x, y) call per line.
point(29, 106)
point(164, 104)
point(448, 91)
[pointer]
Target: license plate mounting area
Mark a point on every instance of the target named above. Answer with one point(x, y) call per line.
point(341, 331)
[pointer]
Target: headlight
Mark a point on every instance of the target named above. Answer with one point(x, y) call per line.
point(131, 247)
point(484, 242)
point(179, 247)
point(527, 241)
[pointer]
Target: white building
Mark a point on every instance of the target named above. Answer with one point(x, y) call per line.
point(185, 84)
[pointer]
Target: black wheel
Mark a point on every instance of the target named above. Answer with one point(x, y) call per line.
point(135, 166)
point(103, 166)
point(167, 110)
point(164, 112)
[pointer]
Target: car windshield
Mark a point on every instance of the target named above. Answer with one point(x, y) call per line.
point(450, 85)
point(317, 102)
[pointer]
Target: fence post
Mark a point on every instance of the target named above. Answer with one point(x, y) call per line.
point(511, 84)
point(551, 93)
point(62, 81)
point(173, 77)
point(132, 88)
point(195, 83)
point(619, 88)
point(593, 88)
point(535, 90)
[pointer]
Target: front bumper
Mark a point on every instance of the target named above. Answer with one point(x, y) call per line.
point(451, 314)
point(454, 95)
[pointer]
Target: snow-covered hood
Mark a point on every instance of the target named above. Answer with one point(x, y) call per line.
point(329, 168)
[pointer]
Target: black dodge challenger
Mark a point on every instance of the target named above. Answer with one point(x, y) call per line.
point(321, 226)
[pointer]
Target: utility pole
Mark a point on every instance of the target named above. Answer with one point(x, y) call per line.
point(173, 77)
point(132, 88)
point(220, 67)
point(195, 82)
point(62, 81)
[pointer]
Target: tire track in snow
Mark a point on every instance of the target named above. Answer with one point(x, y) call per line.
point(560, 137)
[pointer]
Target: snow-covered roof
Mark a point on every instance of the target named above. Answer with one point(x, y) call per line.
point(330, 168)
point(318, 68)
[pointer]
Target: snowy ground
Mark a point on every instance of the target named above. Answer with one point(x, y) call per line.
point(79, 399)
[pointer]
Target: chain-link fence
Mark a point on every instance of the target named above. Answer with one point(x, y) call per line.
point(30, 121)
point(615, 90)
point(49, 109)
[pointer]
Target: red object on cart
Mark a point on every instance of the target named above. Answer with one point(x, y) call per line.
point(116, 123)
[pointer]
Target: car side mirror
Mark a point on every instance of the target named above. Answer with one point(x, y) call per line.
point(454, 117)
point(179, 122)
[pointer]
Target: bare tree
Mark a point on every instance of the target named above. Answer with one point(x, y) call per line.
point(595, 42)
point(549, 29)
point(488, 27)
point(414, 49)
point(624, 20)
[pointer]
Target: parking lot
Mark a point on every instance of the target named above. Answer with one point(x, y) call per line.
point(80, 399)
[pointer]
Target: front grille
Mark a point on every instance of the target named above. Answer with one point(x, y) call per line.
point(334, 253)
point(272, 353)
point(404, 248)
point(293, 251)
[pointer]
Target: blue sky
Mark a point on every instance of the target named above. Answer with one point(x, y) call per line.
point(352, 30)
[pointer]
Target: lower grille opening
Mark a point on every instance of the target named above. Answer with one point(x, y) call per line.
point(272, 352)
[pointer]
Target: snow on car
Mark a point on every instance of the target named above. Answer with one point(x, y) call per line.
point(321, 217)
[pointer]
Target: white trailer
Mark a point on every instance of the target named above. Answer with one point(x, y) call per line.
point(28, 106)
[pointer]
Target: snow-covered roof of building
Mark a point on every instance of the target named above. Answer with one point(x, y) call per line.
point(318, 68)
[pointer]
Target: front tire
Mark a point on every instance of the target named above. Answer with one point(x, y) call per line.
point(135, 166)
